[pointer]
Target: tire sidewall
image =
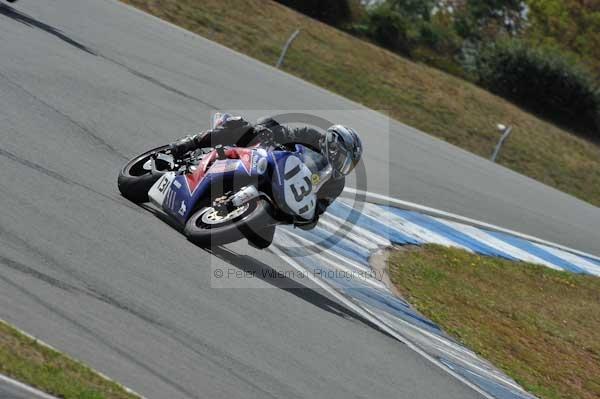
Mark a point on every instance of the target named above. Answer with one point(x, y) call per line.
point(244, 226)
point(135, 188)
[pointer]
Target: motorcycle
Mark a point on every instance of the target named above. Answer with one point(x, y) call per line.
point(223, 194)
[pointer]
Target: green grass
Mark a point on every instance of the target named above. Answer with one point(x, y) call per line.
point(428, 99)
point(25, 360)
point(541, 326)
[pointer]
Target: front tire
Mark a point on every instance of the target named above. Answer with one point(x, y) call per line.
point(134, 181)
point(205, 228)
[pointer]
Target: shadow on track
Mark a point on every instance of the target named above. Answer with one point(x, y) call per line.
point(161, 215)
point(259, 269)
point(264, 272)
point(27, 20)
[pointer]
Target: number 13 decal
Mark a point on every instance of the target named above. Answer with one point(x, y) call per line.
point(298, 189)
point(305, 184)
point(163, 184)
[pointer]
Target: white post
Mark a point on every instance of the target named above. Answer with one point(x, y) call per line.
point(506, 131)
point(285, 48)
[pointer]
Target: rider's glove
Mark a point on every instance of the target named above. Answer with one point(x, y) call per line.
point(183, 146)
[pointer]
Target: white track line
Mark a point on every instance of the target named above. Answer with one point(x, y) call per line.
point(42, 343)
point(26, 388)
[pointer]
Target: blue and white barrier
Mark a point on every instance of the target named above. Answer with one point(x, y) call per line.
point(336, 255)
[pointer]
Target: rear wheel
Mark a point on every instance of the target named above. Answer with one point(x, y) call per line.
point(137, 177)
point(252, 221)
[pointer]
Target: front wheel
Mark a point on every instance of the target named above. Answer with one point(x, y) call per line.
point(137, 177)
point(206, 227)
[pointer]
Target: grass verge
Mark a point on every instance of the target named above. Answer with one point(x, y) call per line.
point(428, 99)
point(541, 326)
point(26, 360)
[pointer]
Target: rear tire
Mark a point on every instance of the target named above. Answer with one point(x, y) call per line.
point(204, 230)
point(134, 182)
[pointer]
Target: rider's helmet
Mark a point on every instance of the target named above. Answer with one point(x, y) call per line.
point(342, 147)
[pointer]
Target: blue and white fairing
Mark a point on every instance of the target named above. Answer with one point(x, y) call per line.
point(297, 179)
point(179, 195)
point(292, 178)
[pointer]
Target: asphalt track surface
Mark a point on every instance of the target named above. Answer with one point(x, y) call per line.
point(84, 85)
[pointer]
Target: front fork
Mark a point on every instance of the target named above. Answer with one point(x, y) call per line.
point(226, 204)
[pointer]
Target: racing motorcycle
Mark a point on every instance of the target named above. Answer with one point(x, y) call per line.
point(223, 194)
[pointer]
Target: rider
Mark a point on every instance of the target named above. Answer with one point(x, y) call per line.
point(340, 145)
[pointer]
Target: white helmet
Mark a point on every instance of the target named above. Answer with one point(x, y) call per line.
point(343, 148)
